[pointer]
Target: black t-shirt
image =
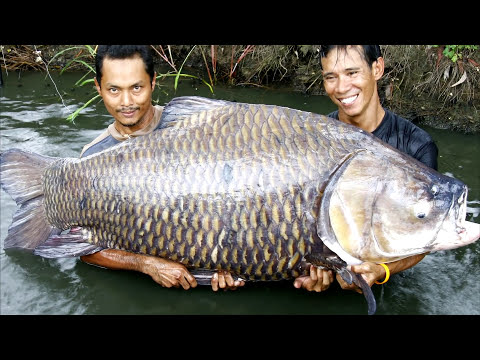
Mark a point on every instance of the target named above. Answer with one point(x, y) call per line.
point(406, 137)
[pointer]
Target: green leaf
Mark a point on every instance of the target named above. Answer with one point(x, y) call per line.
point(180, 70)
point(61, 52)
point(72, 116)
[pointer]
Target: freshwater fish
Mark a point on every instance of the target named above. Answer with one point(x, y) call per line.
point(258, 190)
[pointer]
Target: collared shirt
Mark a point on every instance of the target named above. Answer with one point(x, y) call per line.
point(406, 137)
point(111, 136)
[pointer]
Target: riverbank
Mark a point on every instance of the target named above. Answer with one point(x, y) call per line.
point(421, 83)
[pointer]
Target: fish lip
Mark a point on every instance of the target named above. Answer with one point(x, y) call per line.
point(460, 227)
point(462, 212)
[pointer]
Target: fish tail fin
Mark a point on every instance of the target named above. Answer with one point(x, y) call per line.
point(21, 177)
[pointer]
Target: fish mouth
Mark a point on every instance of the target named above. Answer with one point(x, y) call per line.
point(462, 233)
point(462, 213)
point(459, 213)
point(467, 231)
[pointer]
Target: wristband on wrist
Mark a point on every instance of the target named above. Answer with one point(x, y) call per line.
point(387, 275)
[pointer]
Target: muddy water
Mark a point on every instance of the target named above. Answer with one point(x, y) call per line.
point(32, 117)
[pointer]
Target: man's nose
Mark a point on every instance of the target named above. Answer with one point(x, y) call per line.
point(343, 84)
point(126, 98)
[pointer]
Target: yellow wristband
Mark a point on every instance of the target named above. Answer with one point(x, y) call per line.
point(387, 275)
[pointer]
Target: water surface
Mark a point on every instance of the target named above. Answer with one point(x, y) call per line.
point(32, 117)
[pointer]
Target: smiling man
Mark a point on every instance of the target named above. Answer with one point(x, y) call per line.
point(350, 76)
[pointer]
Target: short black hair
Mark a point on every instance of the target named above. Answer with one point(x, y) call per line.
point(370, 53)
point(124, 52)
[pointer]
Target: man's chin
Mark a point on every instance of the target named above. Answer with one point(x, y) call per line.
point(129, 122)
point(349, 112)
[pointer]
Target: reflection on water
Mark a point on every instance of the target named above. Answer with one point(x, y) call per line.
point(32, 117)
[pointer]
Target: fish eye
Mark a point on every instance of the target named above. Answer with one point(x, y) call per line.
point(421, 209)
point(421, 215)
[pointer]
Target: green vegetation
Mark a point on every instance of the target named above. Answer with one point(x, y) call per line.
point(455, 52)
point(435, 84)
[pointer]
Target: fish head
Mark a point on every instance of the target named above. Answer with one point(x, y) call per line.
point(383, 209)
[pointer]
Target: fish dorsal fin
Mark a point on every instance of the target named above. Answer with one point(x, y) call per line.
point(184, 106)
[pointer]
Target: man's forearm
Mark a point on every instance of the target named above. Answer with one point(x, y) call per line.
point(165, 272)
point(115, 260)
point(404, 264)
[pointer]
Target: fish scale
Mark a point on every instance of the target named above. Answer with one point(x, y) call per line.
point(170, 237)
point(250, 188)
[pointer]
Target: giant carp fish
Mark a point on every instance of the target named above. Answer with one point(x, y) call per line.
point(261, 191)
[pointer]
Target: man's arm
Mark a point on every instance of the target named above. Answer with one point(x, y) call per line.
point(320, 279)
point(428, 155)
point(165, 272)
point(372, 272)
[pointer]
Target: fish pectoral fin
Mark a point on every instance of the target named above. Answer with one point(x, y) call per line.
point(70, 244)
point(327, 261)
point(349, 277)
point(366, 290)
point(334, 262)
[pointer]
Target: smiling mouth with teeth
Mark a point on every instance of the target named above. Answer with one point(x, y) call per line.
point(349, 100)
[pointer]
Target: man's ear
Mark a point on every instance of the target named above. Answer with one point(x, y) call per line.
point(97, 85)
point(153, 80)
point(378, 68)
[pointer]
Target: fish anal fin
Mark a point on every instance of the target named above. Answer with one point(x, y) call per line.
point(204, 276)
point(71, 244)
point(29, 227)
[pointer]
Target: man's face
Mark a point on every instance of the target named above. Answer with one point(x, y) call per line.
point(126, 90)
point(349, 81)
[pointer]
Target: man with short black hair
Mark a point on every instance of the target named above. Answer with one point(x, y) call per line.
point(125, 79)
point(350, 76)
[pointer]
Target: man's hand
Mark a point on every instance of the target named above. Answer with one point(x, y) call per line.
point(319, 280)
point(224, 280)
point(369, 271)
point(372, 272)
point(165, 272)
point(168, 273)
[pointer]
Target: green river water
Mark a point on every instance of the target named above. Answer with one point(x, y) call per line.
point(32, 117)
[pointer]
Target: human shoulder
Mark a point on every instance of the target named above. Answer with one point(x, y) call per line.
point(400, 124)
point(408, 138)
point(333, 114)
point(98, 139)
point(157, 114)
point(110, 136)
